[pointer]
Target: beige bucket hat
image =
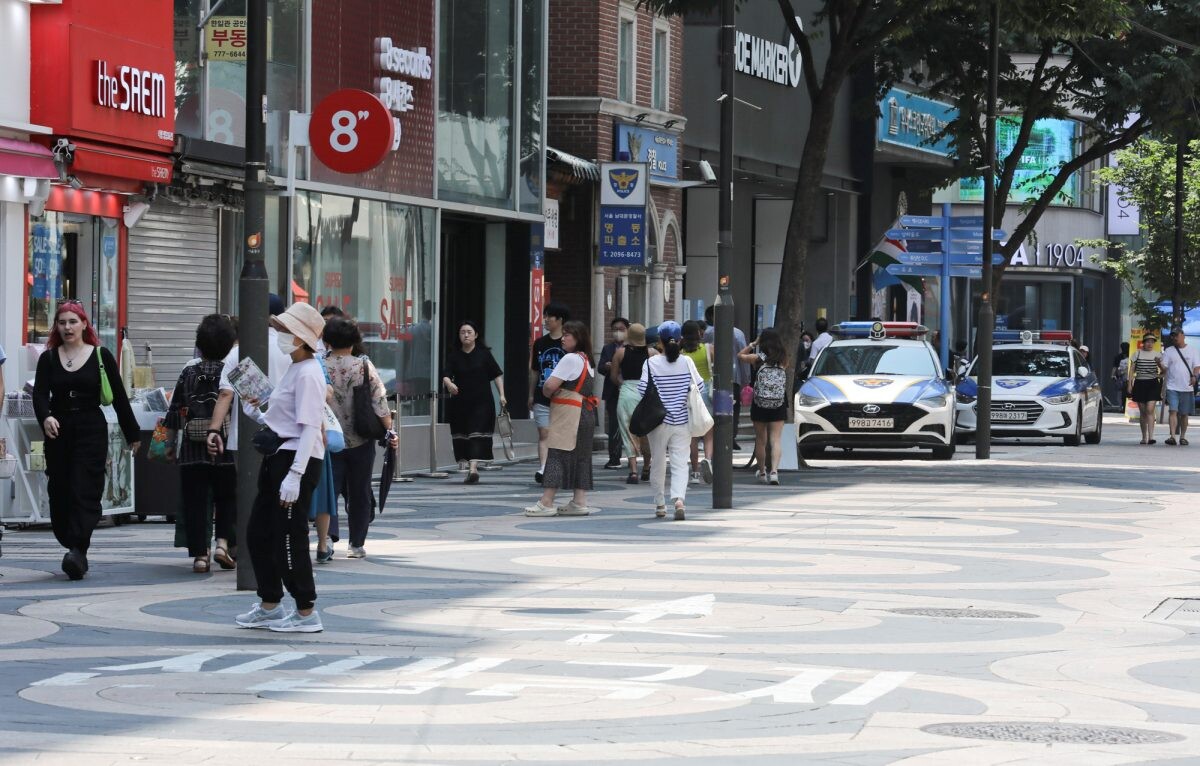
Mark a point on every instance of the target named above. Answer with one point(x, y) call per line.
point(303, 321)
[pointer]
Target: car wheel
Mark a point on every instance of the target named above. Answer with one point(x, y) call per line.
point(1076, 438)
point(944, 453)
point(1094, 436)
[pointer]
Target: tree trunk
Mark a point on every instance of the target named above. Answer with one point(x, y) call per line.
point(789, 311)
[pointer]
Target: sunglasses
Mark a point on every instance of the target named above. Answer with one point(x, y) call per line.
point(70, 302)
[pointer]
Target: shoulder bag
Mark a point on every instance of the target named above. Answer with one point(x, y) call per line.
point(700, 420)
point(366, 423)
point(1191, 373)
point(649, 412)
point(106, 394)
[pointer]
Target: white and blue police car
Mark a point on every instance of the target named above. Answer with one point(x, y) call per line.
point(1041, 386)
point(878, 385)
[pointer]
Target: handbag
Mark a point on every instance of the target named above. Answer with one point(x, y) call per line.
point(649, 412)
point(335, 438)
point(504, 429)
point(106, 393)
point(747, 395)
point(700, 421)
point(366, 423)
point(162, 444)
point(266, 441)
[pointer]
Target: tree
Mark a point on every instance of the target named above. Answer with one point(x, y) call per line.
point(1146, 170)
point(1120, 68)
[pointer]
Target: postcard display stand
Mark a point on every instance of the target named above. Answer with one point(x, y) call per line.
point(23, 498)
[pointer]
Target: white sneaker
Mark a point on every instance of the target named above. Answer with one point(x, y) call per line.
point(773, 478)
point(356, 552)
point(694, 479)
point(537, 509)
point(572, 509)
point(258, 617)
point(294, 623)
point(762, 477)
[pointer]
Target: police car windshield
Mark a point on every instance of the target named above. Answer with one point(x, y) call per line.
point(1033, 362)
point(876, 359)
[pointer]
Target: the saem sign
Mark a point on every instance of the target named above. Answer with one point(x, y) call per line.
point(130, 89)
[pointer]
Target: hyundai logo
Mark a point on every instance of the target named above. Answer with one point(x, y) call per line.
point(871, 409)
point(1009, 405)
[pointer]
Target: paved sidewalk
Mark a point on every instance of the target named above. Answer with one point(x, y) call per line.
point(866, 612)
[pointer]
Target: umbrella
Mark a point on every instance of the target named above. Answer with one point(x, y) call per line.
point(389, 472)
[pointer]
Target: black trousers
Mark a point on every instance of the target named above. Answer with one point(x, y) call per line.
point(615, 446)
point(208, 487)
point(352, 469)
point(75, 464)
point(278, 537)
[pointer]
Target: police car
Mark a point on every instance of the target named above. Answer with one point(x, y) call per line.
point(1041, 386)
point(877, 386)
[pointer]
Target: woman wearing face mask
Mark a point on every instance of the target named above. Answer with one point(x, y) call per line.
point(610, 393)
point(67, 393)
point(277, 535)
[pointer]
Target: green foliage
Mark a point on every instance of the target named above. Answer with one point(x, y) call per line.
point(1147, 172)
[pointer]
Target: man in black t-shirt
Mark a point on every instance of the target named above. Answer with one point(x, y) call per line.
point(547, 352)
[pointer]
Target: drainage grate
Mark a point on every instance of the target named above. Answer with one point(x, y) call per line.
point(1048, 733)
point(979, 614)
point(1185, 610)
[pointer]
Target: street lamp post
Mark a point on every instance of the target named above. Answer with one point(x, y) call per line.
point(987, 313)
point(722, 395)
point(252, 284)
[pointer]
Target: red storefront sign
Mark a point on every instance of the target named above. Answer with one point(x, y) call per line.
point(351, 131)
point(105, 72)
point(388, 49)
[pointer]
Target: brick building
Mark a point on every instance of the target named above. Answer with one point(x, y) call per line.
point(614, 87)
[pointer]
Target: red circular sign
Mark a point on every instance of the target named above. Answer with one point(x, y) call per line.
point(351, 131)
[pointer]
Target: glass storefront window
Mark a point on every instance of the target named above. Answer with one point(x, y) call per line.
point(533, 153)
point(375, 261)
point(475, 101)
point(73, 257)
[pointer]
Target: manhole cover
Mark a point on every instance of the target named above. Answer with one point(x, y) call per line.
point(978, 614)
point(1186, 610)
point(1046, 733)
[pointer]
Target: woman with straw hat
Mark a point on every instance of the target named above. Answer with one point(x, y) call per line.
point(626, 372)
point(277, 535)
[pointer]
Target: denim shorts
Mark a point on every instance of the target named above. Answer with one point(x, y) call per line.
point(1181, 402)
point(541, 415)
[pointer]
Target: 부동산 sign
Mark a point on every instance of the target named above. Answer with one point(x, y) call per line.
point(912, 121)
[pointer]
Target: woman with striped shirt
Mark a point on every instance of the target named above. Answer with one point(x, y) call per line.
point(673, 376)
point(1145, 385)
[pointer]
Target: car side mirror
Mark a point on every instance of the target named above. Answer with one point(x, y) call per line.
point(1082, 371)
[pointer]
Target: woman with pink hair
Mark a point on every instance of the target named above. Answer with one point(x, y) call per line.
point(67, 394)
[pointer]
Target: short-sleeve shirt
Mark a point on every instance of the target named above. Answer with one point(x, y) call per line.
point(231, 363)
point(1179, 363)
point(570, 367)
point(298, 401)
point(547, 352)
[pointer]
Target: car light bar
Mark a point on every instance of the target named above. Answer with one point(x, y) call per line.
point(1031, 336)
point(879, 330)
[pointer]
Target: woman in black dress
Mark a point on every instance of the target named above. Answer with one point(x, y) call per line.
point(468, 377)
point(66, 400)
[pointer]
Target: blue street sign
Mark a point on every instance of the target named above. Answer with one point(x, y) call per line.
point(919, 259)
point(905, 270)
point(957, 232)
point(971, 259)
point(908, 234)
point(964, 247)
point(971, 272)
point(923, 221)
point(922, 246)
point(974, 221)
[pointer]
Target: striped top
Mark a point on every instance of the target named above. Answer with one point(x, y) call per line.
point(1145, 365)
point(673, 380)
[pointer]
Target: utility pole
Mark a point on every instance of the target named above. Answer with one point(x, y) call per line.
point(1177, 255)
point(252, 285)
point(722, 395)
point(987, 312)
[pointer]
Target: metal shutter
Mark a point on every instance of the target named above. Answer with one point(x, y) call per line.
point(172, 283)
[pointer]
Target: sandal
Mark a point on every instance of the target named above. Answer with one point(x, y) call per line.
point(633, 479)
point(222, 557)
point(200, 565)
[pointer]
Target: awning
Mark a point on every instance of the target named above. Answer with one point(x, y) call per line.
point(25, 159)
point(575, 166)
point(131, 164)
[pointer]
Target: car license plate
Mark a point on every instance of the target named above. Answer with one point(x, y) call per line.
point(872, 422)
point(1008, 415)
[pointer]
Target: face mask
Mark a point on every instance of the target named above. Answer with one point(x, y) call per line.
point(286, 343)
point(619, 335)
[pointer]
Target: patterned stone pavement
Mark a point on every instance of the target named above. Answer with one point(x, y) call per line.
point(867, 612)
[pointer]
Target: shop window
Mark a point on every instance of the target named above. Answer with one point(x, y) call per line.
point(626, 57)
point(73, 257)
point(533, 150)
point(662, 67)
point(475, 101)
point(375, 261)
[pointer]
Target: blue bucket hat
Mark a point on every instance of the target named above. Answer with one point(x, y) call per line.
point(669, 331)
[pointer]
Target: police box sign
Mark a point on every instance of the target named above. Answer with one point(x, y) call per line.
point(130, 89)
point(623, 183)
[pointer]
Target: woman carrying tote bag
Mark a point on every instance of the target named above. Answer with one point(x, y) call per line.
point(674, 376)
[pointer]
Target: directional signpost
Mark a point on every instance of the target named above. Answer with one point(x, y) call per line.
point(942, 246)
